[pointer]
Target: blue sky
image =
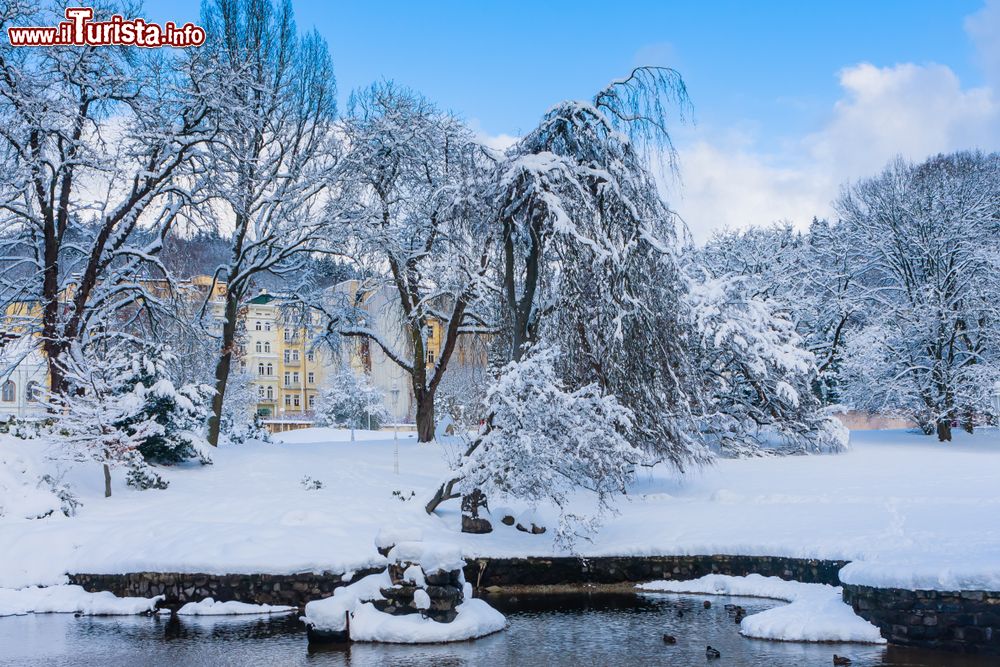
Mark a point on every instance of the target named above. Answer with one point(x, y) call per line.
point(786, 94)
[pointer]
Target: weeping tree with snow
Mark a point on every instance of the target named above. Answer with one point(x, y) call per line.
point(348, 399)
point(410, 219)
point(586, 262)
point(274, 101)
point(588, 256)
point(96, 152)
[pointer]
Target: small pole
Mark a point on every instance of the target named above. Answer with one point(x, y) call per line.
point(396, 465)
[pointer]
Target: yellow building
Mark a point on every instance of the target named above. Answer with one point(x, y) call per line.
point(285, 360)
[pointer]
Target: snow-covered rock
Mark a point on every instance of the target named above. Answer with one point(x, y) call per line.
point(475, 619)
point(815, 613)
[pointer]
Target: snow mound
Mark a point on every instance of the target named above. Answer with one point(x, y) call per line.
point(71, 600)
point(22, 494)
point(815, 613)
point(209, 607)
point(431, 557)
point(475, 619)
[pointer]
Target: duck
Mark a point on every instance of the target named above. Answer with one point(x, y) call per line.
point(841, 660)
point(707, 604)
point(712, 653)
point(669, 639)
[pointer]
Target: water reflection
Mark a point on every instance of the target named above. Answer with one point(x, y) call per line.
point(576, 630)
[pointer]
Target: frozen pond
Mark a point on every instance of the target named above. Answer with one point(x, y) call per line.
point(576, 630)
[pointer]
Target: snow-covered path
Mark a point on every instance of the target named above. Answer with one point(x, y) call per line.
point(909, 510)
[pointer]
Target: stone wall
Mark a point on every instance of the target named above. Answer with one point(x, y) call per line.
point(179, 588)
point(484, 572)
point(966, 621)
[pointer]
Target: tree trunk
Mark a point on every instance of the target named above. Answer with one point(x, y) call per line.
point(944, 430)
point(425, 416)
point(969, 423)
point(53, 360)
point(107, 481)
point(223, 367)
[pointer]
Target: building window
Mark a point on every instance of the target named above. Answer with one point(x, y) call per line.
point(288, 356)
point(288, 401)
point(270, 369)
point(430, 356)
point(8, 391)
point(259, 349)
point(260, 369)
point(312, 402)
point(295, 355)
point(267, 347)
point(295, 378)
point(288, 336)
point(31, 393)
point(267, 326)
point(295, 401)
point(288, 378)
point(311, 377)
point(429, 331)
point(257, 325)
point(260, 392)
point(270, 393)
point(311, 356)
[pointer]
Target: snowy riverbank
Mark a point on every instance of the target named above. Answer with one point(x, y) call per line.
point(907, 510)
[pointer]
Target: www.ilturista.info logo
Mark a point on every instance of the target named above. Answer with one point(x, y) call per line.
point(80, 30)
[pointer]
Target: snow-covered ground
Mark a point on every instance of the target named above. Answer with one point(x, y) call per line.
point(815, 613)
point(908, 510)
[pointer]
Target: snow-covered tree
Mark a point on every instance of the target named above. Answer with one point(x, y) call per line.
point(924, 240)
point(240, 420)
point(274, 101)
point(811, 276)
point(546, 442)
point(410, 220)
point(347, 399)
point(177, 413)
point(92, 145)
point(757, 378)
point(102, 421)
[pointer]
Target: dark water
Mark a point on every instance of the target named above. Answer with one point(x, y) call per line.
point(577, 630)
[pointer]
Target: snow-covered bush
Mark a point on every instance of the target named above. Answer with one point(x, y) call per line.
point(545, 442)
point(347, 399)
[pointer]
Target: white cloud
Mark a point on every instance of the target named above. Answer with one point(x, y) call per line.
point(908, 109)
point(983, 28)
